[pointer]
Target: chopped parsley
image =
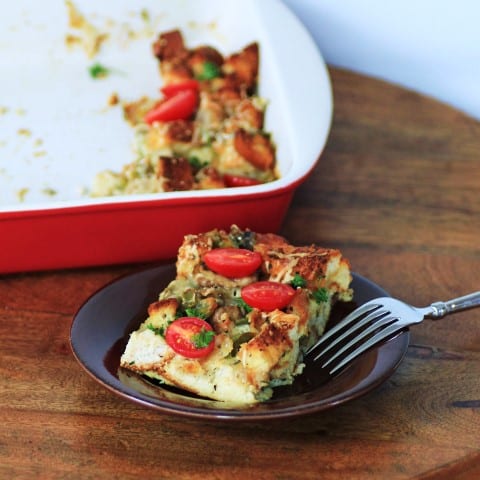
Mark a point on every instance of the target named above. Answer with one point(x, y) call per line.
point(240, 302)
point(203, 338)
point(195, 312)
point(97, 70)
point(156, 330)
point(196, 163)
point(210, 70)
point(298, 281)
point(321, 295)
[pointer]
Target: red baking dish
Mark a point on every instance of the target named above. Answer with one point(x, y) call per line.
point(127, 232)
point(55, 138)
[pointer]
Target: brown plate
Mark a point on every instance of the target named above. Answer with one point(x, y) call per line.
point(101, 327)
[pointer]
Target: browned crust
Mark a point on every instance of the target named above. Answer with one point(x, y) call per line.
point(168, 304)
point(170, 46)
point(311, 262)
point(256, 148)
point(180, 131)
point(176, 173)
point(243, 67)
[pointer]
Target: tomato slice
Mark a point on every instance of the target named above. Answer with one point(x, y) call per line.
point(232, 262)
point(178, 107)
point(173, 88)
point(268, 295)
point(239, 181)
point(189, 337)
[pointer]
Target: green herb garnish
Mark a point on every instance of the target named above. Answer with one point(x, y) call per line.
point(241, 303)
point(156, 330)
point(195, 312)
point(203, 338)
point(196, 163)
point(298, 281)
point(321, 295)
point(210, 70)
point(97, 70)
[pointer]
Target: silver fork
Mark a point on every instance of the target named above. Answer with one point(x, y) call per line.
point(376, 321)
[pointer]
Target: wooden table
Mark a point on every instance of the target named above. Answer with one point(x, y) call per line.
point(397, 189)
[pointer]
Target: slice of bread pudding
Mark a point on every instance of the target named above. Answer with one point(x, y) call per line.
point(235, 321)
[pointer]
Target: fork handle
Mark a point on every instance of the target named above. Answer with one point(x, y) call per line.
point(441, 309)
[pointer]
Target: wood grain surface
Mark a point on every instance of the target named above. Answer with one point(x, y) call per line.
point(397, 189)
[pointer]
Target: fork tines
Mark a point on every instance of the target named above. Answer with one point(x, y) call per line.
point(356, 333)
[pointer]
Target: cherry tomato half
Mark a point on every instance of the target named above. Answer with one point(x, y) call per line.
point(173, 88)
point(267, 295)
point(178, 107)
point(189, 337)
point(239, 181)
point(232, 262)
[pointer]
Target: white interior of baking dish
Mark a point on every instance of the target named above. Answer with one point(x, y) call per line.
point(57, 131)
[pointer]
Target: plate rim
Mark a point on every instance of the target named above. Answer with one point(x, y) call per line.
point(116, 386)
